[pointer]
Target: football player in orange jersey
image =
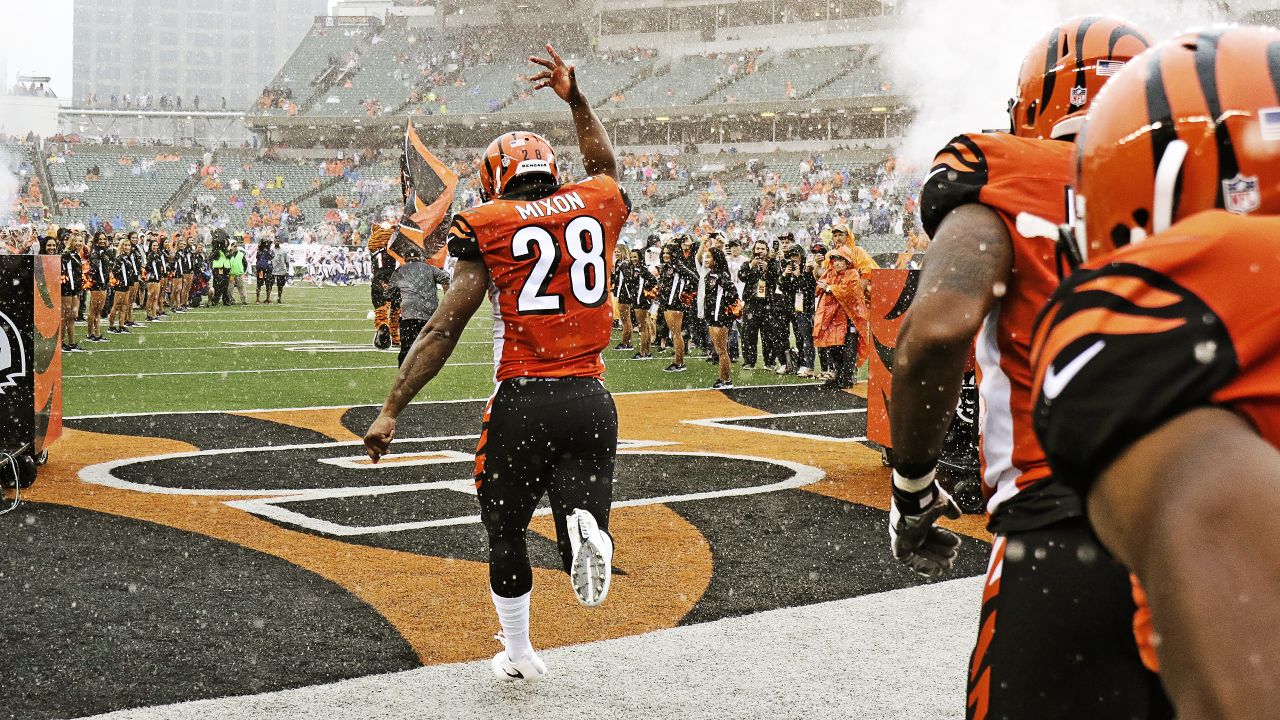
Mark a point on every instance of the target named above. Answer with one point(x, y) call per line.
point(540, 251)
point(1157, 364)
point(992, 204)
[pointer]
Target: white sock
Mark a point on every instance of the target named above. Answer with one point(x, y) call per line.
point(513, 614)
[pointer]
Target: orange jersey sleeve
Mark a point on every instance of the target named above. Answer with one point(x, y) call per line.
point(1188, 318)
point(1025, 182)
point(549, 263)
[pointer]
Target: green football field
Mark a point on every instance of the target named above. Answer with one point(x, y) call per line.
point(314, 350)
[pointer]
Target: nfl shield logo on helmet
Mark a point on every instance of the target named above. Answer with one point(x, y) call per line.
point(1079, 96)
point(1240, 194)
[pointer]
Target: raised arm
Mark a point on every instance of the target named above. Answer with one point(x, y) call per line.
point(597, 151)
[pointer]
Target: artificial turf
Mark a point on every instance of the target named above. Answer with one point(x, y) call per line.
point(189, 362)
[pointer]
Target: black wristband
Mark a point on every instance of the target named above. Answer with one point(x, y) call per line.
point(909, 470)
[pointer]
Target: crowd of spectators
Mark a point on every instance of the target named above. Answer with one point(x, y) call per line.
point(867, 199)
point(777, 304)
point(147, 101)
point(31, 89)
point(111, 275)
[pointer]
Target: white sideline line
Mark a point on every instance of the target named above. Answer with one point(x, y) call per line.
point(330, 346)
point(101, 416)
point(723, 423)
point(252, 343)
point(245, 372)
point(486, 331)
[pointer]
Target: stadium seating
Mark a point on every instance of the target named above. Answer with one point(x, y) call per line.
point(805, 70)
point(684, 83)
point(306, 65)
point(132, 181)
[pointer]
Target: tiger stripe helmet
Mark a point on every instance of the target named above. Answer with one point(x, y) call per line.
point(1065, 71)
point(511, 155)
point(1189, 126)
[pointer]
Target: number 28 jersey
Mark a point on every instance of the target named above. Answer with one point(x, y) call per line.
point(549, 263)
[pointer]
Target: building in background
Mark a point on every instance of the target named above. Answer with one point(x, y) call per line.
point(185, 48)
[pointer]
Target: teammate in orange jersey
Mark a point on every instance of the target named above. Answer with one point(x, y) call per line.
point(1157, 364)
point(541, 252)
point(992, 204)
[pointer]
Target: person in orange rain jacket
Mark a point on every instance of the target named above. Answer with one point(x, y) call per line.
point(839, 328)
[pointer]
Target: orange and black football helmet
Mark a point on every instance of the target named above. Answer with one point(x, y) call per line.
point(1191, 125)
point(1065, 71)
point(511, 155)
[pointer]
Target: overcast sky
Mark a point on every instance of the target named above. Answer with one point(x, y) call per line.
point(35, 39)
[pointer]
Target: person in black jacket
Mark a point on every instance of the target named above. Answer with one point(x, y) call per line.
point(760, 278)
point(799, 286)
point(221, 263)
point(623, 295)
point(718, 307)
point(100, 261)
point(72, 272)
point(123, 278)
point(677, 286)
point(643, 287)
point(157, 270)
point(137, 264)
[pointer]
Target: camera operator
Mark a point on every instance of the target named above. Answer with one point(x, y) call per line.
point(221, 264)
point(759, 276)
point(799, 286)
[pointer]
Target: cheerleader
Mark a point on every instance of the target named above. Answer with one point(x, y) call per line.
point(99, 282)
point(72, 271)
point(644, 289)
point(622, 295)
point(124, 277)
point(157, 269)
point(718, 307)
point(182, 274)
point(137, 264)
point(677, 286)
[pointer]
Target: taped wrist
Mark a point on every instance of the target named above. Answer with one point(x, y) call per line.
point(913, 495)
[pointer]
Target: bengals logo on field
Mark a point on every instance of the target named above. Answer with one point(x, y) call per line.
point(13, 355)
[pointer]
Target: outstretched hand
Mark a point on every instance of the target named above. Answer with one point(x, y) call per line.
point(558, 76)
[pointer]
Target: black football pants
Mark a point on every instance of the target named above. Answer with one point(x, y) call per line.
point(1056, 635)
point(556, 437)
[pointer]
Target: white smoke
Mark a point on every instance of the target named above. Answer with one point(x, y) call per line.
point(8, 188)
point(959, 61)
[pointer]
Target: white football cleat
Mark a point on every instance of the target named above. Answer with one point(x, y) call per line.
point(529, 668)
point(592, 557)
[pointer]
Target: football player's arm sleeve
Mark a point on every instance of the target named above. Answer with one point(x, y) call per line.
point(598, 157)
point(463, 243)
point(441, 334)
point(960, 172)
point(1190, 508)
point(970, 255)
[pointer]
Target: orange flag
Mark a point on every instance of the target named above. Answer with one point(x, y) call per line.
point(429, 186)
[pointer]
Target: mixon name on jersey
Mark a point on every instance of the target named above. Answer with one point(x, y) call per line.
point(550, 206)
